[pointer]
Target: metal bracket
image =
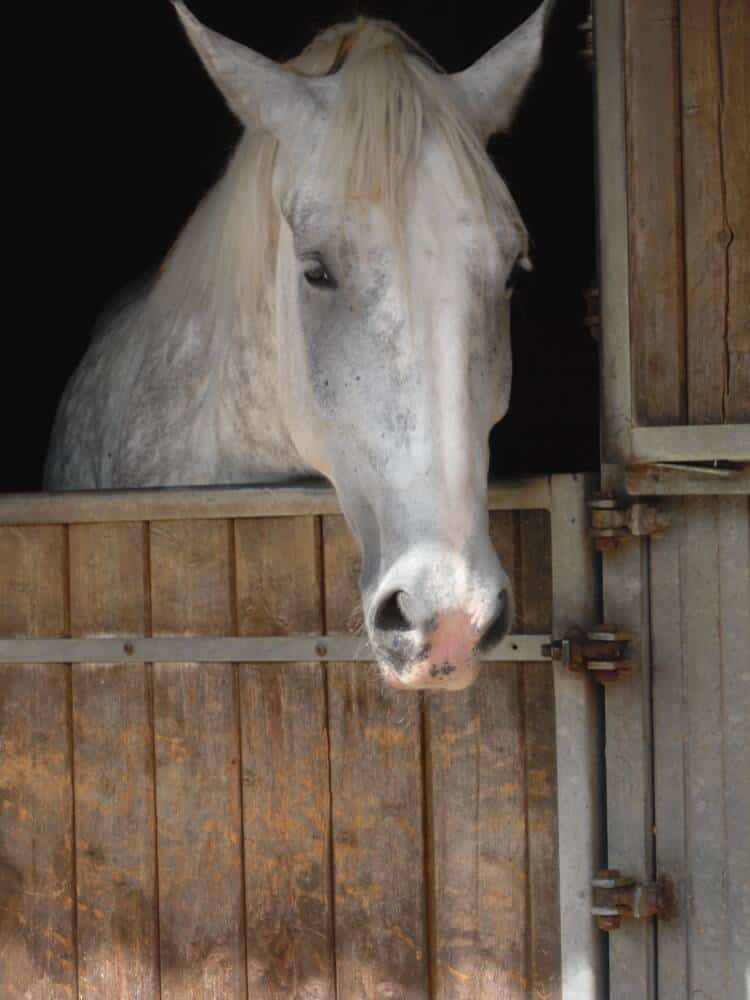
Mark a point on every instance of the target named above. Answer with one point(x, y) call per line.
point(587, 30)
point(602, 652)
point(617, 896)
point(611, 521)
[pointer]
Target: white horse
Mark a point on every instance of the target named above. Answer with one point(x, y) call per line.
point(338, 304)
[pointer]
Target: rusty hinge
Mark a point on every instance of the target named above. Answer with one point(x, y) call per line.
point(616, 896)
point(602, 652)
point(612, 521)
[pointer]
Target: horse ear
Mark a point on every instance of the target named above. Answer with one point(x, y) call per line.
point(493, 87)
point(260, 92)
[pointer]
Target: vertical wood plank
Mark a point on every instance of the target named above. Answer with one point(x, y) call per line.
point(734, 41)
point(37, 912)
point(655, 212)
point(477, 793)
point(201, 890)
point(704, 813)
point(669, 698)
point(706, 225)
point(114, 763)
point(734, 568)
point(341, 552)
point(541, 761)
point(286, 796)
point(377, 800)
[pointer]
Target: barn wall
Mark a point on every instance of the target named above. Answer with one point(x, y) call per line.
point(687, 78)
point(223, 830)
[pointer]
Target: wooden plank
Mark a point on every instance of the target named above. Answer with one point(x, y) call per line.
point(312, 497)
point(670, 774)
point(728, 442)
point(377, 816)
point(664, 480)
point(286, 796)
point(477, 795)
point(37, 880)
point(614, 267)
point(118, 952)
point(734, 43)
point(343, 603)
point(535, 601)
point(578, 726)
point(705, 821)
point(655, 211)
point(196, 723)
point(734, 605)
point(707, 230)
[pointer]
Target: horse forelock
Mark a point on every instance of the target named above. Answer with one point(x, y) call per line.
point(392, 100)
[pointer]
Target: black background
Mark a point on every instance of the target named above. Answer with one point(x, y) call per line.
point(117, 132)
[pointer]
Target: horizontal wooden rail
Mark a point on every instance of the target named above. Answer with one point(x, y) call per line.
point(174, 504)
point(699, 443)
point(261, 649)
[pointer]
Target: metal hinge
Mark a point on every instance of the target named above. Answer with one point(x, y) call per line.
point(617, 896)
point(611, 521)
point(602, 652)
point(593, 318)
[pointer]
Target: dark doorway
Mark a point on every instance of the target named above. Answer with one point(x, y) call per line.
point(125, 133)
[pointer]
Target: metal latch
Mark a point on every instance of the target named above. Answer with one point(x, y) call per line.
point(611, 522)
point(601, 652)
point(616, 896)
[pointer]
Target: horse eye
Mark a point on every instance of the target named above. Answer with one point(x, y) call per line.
point(318, 276)
point(521, 267)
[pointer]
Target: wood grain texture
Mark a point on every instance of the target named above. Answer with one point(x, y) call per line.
point(714, 56)
point(342, 560)
point(37, 890)
point(196, 723)
point(477, 795)
point(278, 576)
point(734, 43)
point(114, 768)
point(286, 795)
point(535, 602)
point(655, 212)
point(377, 798)
point(701, 626)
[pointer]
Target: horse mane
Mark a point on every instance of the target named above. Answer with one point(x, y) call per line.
point(392, 96)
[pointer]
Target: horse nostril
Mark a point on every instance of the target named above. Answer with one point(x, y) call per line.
point(499, 625)
point(390, 615)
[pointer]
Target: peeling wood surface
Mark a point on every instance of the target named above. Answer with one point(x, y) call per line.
point(271, 831)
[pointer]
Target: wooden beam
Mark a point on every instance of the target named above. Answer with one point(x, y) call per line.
point(706, 443)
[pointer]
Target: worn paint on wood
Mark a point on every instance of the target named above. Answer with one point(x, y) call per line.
point(286, 795)
point(196, 722)
point(37, 915)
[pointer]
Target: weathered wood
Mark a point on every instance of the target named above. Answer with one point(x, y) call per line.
point(196, 723)
point(655, 212)
point(729, 442)
point(681, 480)
point(37, 890)
point(734, 42)
point(477, 795)
point(278, 576)
point(286, 797)
point(312, 497)
point(377, 797)
point(342, 559)
point(535, 601)
point(118, 952)
point(578, 734)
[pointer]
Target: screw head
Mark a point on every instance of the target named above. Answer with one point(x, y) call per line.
point(321, 649)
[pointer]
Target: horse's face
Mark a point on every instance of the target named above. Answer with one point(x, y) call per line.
point(395, 364)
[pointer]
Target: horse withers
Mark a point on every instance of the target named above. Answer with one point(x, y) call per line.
point(337, 304)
